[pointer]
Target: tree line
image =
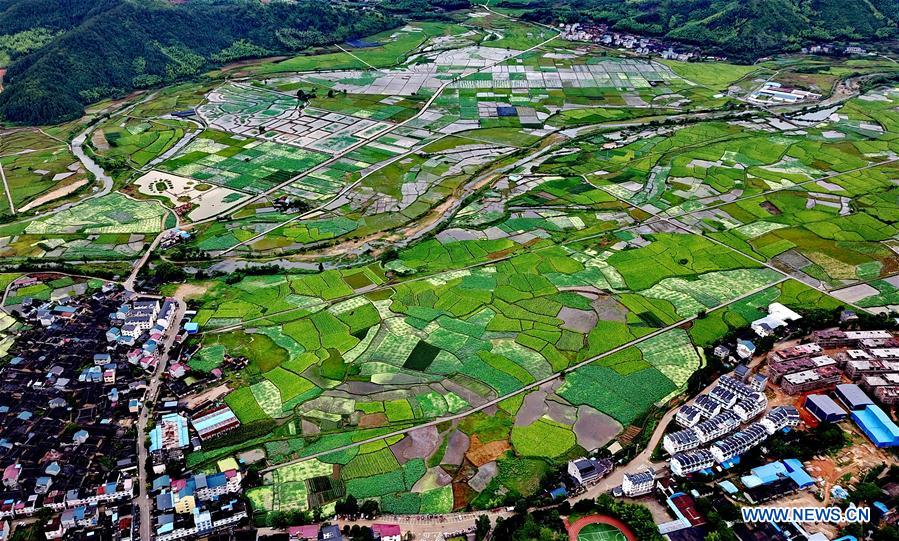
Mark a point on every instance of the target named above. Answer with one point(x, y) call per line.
point(744, 30)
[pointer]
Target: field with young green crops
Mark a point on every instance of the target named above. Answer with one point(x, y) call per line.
point(137, 140)
point(222, 159)
point(35, 166)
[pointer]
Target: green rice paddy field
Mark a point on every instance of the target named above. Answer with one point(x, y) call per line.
point(34, 166)
point(319, 352)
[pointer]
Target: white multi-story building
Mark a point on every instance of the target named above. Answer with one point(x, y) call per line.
point(587, 470)
point(687, 416)
point(735, 386)
point(219, 484)
point(691, 461)
point(723, 396)
point(750, 407)
point(717, 426)
point(779, 418)
point(166, 313)
point(203, 524)
point(738, 443)
point(706, 406)
point(758, 382)
point(638, 484)
point(682, 440)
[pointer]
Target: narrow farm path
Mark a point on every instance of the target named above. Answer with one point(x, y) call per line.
point(12, 206)
point(524, 389)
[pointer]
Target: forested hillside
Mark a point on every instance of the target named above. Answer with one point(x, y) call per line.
point(85, 50)
point(743, 29)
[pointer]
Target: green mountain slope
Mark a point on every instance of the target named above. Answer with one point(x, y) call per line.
point(742, 29)
point(105, 48)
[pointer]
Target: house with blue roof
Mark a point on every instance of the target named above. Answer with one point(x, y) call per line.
point(113, 334)
point(877, 425)
point(171, 433)
point(775, 480)
point(775, 471)
point(150, 346)
point(745, 349)
point(42, 484)
point(161, 482)
point(728, 487)
point(165, 524)
point(165, 502)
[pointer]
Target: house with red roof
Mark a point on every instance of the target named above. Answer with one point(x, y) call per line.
point(386, 532)
point(300, 533)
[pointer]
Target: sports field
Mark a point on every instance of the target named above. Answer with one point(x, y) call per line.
point(600, 532)
point(599, 528)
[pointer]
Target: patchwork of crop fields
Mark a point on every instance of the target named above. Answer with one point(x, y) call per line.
point(37, 170)
point(240, 163)
point(137, 140)
point(533, 277)
point(452, 266)
point(615, 265)
point(110, 227)
point(339, 366)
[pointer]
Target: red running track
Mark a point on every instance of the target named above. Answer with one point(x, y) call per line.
point(574, 529)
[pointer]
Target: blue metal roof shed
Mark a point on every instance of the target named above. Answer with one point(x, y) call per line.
point(824, 408)
point(877, 425)
point(796, 472)
point(852, 396)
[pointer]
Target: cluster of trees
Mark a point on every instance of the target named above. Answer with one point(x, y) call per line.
point(546, 524)
point(41, 265)
point(826, 438)
point(103, 48)
point(539, 525)
point(286, 519)
point(24, 42)
point(424, 9)
point(637, 517)
point(866, 493)
point(742, 29)
point(350, 507)
point(718, 514)
point(33, 531)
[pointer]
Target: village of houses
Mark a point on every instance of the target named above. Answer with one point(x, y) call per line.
point(832, 376)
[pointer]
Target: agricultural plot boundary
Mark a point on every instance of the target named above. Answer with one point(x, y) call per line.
point(662, 216)
point(524, 389)
point(655, 219)
point(324, 207)
point(367, 140)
